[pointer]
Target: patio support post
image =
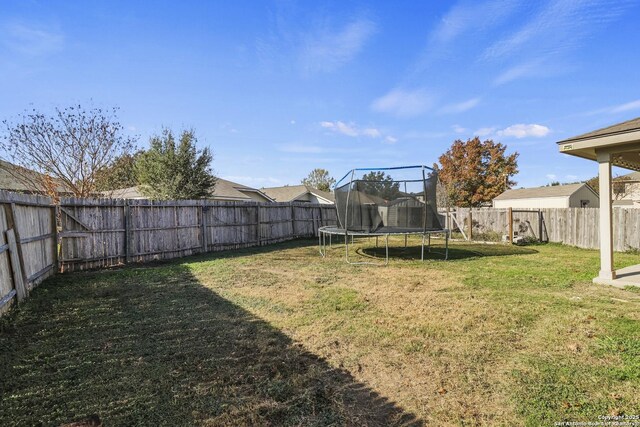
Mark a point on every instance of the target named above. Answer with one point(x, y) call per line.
point(606, 220)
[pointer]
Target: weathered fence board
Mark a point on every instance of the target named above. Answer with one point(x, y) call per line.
point(572, 226)
point(27, 244)
point(104, 232)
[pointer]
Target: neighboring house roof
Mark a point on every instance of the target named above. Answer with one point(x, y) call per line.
point(290, 193)
point(228, 190)
point(538, 192)
point(223, 190)
point(624, 127)
point(11, 178)
point(633, 176)
point(124, 193)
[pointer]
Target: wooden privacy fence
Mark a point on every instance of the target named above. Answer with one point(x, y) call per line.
point(103, 232)
point(95, 233)
point(571, 226)
point(28, 244)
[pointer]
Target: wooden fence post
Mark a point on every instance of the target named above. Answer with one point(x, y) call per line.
point(540, 226)
point(127, 232)
point(54, 230)
point(205, 231)
point(293, 221)
point(470, 221)
point(510, 219)
point(258, 226)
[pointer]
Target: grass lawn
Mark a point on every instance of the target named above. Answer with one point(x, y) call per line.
point(278, 335)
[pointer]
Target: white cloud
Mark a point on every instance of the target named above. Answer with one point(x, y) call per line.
point(572, 177)
point(633, 105)
point(613, 109)
point(310, 40)
point(341, 127)
point(403, 103)
point(460, 107)
point(458, 129)
point(328, 49)
point(391, 139)
point(371, 132)
point(32, 41)
point(541, 44)
point(471, 16)
point(552, 177)
point(485, 131)
point(516, 72)
point(352, 130)
point(522, 130)
point(557, 26)
point(293, 122)
point(465, 18)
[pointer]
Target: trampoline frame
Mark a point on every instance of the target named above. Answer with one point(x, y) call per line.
point(426, 233)
point(328, 230)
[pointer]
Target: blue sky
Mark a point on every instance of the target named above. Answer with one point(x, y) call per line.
point(279, 88)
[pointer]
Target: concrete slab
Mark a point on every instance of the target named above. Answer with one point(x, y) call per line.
point(628, 276)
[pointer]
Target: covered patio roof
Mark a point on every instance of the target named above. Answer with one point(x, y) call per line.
point(616, 145)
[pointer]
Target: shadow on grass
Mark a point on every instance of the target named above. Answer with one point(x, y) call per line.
point(456, 251)
point(152, 346)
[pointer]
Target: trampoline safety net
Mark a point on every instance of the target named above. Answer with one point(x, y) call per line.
point(388, 200)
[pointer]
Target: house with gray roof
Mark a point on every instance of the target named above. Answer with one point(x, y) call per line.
point(224, 190)
point(626, 190)
point(578, 195)
point(299, 193)
point(19, 179)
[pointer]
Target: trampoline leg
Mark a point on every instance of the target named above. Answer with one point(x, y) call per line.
point(405, 241)
point(376, 241)
point(346, 247)
point(329, 240)
point(446, 252)
point(422, 249)
point(386, 243)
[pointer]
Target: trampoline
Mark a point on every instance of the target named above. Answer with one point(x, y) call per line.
point(383, 202)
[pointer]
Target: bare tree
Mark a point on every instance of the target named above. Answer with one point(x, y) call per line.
point(64, 151)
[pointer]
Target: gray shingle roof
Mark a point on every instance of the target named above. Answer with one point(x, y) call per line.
point(633, 176)
point(552, 191)
point(124, 193)
point(624, 127)
point(232, 190)
point(291, 192)
point(12, 181)
point(223, 190)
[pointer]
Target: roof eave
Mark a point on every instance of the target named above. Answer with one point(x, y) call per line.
point(614, 143)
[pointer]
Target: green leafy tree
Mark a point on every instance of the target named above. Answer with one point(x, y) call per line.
point(320, 179)
point(381, 185)
point(121, 173)
point(172, 170)
point(474, 172)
